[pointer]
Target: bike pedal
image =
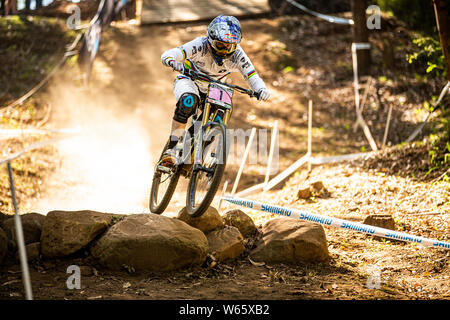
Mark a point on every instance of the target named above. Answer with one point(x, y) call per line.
point(163, 169)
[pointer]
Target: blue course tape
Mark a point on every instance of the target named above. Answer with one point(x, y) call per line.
point(337, 223)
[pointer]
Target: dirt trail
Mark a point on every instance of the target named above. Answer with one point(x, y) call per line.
point(124, 118)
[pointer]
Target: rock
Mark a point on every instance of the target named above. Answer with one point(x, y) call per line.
point(226, 243)
point(291, 241)
point(66, 232)
point(33, 251)
point(4, 216)
point(3, 245)
point(86, 271)
point(318, 189)
point(304, 193)
point(317, 186)
point(380, 220)
point(207, 222)
point(31, 225)
point(240, 220)
point(151, 242)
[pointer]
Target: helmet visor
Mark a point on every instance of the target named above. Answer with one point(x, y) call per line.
point(223, 48)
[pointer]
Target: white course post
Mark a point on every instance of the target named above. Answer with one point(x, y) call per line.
point(310, 108)
point(272, 148)
point(244, 159)
point(358, 46)
point(224, 189)
point(386, 130)
point(20, 239)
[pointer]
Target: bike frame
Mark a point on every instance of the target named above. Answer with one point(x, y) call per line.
point(190, 162)
point(208, 119)
point(195, 153)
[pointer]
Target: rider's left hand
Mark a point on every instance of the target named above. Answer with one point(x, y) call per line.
point(263, 94)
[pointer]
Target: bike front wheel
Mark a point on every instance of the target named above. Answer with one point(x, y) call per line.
point(205, 179)
point(164, 183)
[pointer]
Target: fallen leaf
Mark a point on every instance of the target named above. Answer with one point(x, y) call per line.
point(11, 282)
point(14, 271)
point(256, 264)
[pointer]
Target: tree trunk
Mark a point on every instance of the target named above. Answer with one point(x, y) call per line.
point(442, 11)
point(361, 34)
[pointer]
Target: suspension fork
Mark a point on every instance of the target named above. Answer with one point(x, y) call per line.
point(226, 117)
point(206, 124)
point(198, 152)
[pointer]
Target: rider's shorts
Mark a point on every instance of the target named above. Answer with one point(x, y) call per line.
point(187, 95)
point(184, 85)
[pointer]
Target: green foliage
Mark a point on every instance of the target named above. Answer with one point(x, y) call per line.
point(418, 14)
point(29, 47)
point(440, 142)
point(430, 54)
point(115, 219)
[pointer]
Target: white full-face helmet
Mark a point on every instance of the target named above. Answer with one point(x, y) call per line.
point(224, 36)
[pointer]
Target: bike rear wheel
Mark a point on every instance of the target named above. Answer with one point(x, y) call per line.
point(205, 181)
point(164, 183)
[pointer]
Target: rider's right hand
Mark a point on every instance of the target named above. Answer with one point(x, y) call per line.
point(177, 66)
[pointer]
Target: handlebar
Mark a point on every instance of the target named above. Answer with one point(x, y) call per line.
point(194, 75)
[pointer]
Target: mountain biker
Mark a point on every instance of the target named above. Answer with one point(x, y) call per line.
point(217, 55)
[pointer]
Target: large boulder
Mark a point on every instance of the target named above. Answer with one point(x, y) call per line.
point(3, 245)
point(33, 251)
point(66, 232)
point(31, 225)
point(151, 242)
point(240, 220)
point(226, 243)
point(4, 216)
point(207, 222)
point(291, 241)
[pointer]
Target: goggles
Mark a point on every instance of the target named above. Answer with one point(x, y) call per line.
point(223, 48)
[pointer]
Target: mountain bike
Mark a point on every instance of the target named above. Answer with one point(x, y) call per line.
point(201, 151)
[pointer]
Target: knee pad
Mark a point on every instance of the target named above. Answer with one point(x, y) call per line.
point(185, 107)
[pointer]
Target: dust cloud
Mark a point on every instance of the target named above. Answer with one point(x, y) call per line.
point(123, 120)
point(106, 166)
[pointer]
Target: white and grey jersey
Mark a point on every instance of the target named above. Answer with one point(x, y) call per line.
point(198, 53)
